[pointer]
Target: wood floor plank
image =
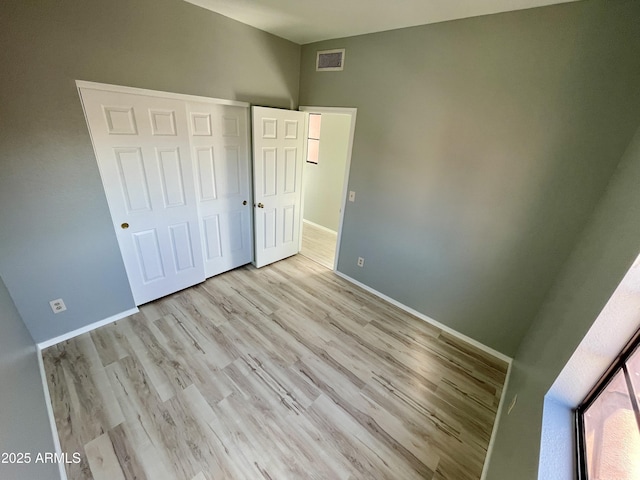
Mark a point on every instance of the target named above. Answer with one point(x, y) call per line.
point(103, 459)
point(194, 435)
point(346, 396)
point(126, 454)
point(205, 373)
point(68, 417)
point(283, 372)
point(108, 342)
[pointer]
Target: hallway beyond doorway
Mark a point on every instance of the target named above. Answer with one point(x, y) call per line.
point(319, 244)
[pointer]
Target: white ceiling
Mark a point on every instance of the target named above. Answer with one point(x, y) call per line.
point(306, 21)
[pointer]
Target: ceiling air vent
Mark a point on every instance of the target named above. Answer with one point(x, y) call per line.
point(330, 60)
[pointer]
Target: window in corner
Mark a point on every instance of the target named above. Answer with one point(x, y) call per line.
point(313, 138)
point(608, 422)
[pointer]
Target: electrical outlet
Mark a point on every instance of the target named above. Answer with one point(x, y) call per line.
point(512, 404)
point(57, 305)
point(352, 196)
point(360, 262)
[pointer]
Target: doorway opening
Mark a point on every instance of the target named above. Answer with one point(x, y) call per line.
point(325, 181)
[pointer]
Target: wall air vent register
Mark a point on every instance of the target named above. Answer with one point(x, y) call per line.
point(330, 60)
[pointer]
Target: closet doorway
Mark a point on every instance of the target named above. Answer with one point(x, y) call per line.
point(325, 181)
point(176, 172)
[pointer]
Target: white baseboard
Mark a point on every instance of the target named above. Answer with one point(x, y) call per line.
point(321, 227)
point(52, 420)
point(496, 422)
point(87, 328)
point(427, 319)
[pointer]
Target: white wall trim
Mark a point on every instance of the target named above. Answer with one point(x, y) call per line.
point(427, 319)
point(496, 423)
point(321, 227)
point(353, 112)
point(86, 329)
point(156, 93)
point(52, 420)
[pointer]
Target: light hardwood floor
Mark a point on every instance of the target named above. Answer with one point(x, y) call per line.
point(286, 372)
point(319, 245)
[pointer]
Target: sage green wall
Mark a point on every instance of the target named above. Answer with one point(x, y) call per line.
point(24, 423)
point(56, 238)
point(482, 146)
point(607, 248)
point(324, 182)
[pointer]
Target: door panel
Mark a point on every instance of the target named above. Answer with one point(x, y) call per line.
point(148, 255)
point(270, 228)
point(143, 152)
point(206, 173)
point(171, 177)
point(120, 120)
point(269, 172)
point(220, 140)
point(228, 181)
point(278, 146)
point(290, 170)
point(212, 240)
point(163, 122)
point(133, 179)
point(181, 243)
point(233, 225)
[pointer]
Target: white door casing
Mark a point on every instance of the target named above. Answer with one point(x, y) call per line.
point(278, 149)
point(219, 141)
point(143, 152)
point(352, 112)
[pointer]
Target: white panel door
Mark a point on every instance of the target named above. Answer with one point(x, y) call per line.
point(278, 148)
point(219, 141)
point(142, 147)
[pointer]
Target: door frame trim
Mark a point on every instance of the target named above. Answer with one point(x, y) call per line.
point(352, 111)
point(157, 93)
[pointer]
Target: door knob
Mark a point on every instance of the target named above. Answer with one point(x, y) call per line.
point(124, 225)
point(260, 205)
point(244, 203)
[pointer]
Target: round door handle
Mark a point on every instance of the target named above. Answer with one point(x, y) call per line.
point(124, 225)
point(260, 205)
point(244, 203)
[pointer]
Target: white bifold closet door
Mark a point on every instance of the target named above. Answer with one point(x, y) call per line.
point(220, 148)
point(176, 175)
